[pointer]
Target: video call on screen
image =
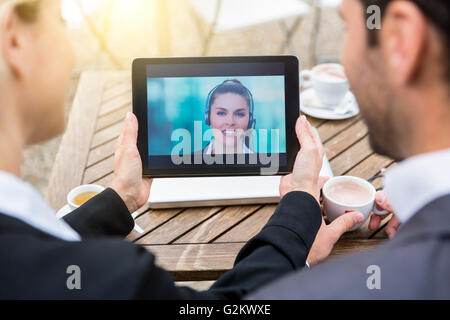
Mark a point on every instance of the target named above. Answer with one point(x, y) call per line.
point(228, 108)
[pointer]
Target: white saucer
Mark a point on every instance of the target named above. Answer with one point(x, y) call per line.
point(66, 210)
point(63, 211)
point(311, 105)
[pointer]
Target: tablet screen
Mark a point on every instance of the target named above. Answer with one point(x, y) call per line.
point(216, 115)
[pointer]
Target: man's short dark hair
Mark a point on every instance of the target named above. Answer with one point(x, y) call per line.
point(436, 11)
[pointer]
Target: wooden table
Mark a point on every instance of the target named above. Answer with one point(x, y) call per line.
point(194, 244)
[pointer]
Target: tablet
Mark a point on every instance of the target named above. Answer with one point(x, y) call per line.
point(216, 116)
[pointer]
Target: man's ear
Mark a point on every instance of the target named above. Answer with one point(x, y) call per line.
point(12, 43)
point(403, 39)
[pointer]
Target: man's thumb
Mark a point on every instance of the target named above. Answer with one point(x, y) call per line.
point(382, 201)
point(345, 222)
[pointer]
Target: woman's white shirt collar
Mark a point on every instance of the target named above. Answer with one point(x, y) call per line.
point(20, 200)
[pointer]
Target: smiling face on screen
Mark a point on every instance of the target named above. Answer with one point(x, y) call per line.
point(230, 115)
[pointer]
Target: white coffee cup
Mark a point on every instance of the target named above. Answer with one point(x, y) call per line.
point(334, 208)
point(329, 82)
point(79, 190)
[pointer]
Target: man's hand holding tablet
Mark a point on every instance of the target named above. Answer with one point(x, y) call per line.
point(305, 177)
point(308, 163)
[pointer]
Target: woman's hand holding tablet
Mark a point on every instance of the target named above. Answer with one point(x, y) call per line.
point(128, 181)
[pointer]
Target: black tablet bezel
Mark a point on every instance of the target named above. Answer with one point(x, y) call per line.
point(292, 112)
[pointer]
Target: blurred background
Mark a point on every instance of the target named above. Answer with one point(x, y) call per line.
point(109, 34)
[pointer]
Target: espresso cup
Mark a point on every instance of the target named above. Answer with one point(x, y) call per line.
point(80, 190)
point(339, 198)
point(329, 82)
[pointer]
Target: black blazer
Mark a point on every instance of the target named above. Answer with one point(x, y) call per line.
point(33, 264)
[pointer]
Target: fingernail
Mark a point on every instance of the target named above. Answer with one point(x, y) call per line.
point(129, 116)
point(304, 121)
point(380, 197)
point(358, 218)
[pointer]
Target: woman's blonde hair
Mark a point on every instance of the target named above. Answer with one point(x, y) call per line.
point(26, 10)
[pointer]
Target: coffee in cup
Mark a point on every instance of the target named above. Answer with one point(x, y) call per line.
point(346, 194)
point(84, 197)
point(329, 82)
point(82, 194)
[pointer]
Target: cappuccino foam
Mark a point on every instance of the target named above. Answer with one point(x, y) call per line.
point(349, 193)
point(330, 74)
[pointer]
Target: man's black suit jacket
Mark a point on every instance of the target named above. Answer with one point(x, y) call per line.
point(33, 264)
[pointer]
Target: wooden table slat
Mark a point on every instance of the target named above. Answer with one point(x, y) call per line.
point(179, 225)
point(350, 246)
point(315, 122)
point(345, 139)
point(249, 227)
point(101, 152)
point(106, 135)
point(151, 220)
point(370, 166)
point(99, 170)
point(115, 103)
point(218, 224)
point(209, 261)
point(123, 87)
point(351, 157)
point(196, 261)
point(112, 118)
point(331, 128)
point(105, 181)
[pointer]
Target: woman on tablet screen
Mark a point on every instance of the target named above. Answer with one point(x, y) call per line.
point(230, 113)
